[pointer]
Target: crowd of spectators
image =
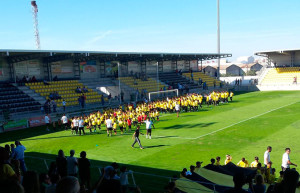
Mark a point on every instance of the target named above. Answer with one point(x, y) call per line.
point(81, 90)
point(49, 106)
point(54, 96)
point(65, 175)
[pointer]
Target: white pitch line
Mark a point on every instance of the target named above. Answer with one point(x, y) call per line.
point(235, 123)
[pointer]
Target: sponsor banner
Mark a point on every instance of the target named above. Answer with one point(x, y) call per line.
point(30, 67)
point(111, 67)
point(36, 121)
point(57, 68)
point(88, 66)
point(14, 125)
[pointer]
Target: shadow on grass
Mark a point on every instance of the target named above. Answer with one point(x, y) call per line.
point(37, 162)
point(181, 126)
point(160, 137)
point(153, 146)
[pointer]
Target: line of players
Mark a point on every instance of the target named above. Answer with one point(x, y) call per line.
point(129, 116)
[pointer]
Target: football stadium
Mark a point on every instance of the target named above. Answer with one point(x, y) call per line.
point(88, 121)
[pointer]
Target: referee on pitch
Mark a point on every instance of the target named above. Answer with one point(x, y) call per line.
point(136, 137)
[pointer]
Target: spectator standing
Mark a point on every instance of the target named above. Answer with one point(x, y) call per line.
point(239, 179)
point(47, 121)
point(72, 164)
point(124, 178)
point(109, 98)
point(54, 178)
point(64, 104)
point(102, 100)
point(79, 101)
point(19, 155)
point(259, 186)
point(68, 184)
point(83, 99)
point(61, 163)
point(286, 160)
point(31, 182)
point(7, 173)
point(267, 159)
point(84, 170)
point(53, 104)
point(12, 150)
point(44, 182)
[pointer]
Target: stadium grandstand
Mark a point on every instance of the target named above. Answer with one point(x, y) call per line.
point(282, 70)
point(38, 77)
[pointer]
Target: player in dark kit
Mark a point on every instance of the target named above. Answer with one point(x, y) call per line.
point(136, 137)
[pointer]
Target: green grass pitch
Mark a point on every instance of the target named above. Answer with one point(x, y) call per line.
point(242, 128)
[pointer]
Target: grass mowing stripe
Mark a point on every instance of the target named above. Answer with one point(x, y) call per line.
point(238, 122)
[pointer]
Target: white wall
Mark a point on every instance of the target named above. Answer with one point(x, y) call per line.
point(5, 70)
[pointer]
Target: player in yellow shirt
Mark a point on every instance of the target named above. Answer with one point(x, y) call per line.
point(228, 159)
point(231, 95)
point(121, 126)
point(99, 124)
point(243, 163)
point(94, 124)
point(218, 161)
point(254, 163)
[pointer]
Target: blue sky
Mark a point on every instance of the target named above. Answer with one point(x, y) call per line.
point(247, 26)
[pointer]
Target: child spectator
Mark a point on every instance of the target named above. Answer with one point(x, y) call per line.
point(124, 178)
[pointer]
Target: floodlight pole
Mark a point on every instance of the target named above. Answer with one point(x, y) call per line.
point(218, 8)
point(119, 82)
point(157, 76)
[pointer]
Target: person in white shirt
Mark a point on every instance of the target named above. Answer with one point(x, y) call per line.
point(286, 160)
point(109, 129)
point(267, 160)
point(72, 164)
point(64, 120)
point(149, 125)
point(81, 126)
point(47, 121)
point(75, 124)
point(177, 109)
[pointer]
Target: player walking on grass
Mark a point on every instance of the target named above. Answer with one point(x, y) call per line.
point(136, 137)
point(108, 123)
point(149, 125)
point(177, 108)
point(286, 160)
point(64, 120)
